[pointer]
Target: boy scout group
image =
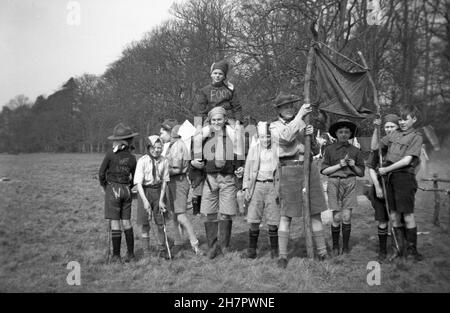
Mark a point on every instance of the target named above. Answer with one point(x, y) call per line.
point(270, 174)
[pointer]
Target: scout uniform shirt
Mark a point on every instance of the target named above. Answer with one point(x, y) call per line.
point(336, 152)
point(178, 156)
point(286, 137)
point(151, 172)
point(399, 144)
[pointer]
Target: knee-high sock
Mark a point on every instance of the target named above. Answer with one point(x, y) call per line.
point(346, 229)
point(116, 236)
point(283, 239)
point(129, 238)
point(319, 240)
point(335, 233)
point(382, 237)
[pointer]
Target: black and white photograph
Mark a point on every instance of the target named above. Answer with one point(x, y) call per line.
point(225, 152)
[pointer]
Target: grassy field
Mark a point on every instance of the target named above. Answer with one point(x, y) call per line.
point(52, 213)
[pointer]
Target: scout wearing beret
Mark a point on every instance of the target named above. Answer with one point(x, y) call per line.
point(219, 93)
point(376, 195)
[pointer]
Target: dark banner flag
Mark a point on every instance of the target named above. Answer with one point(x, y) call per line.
point(341, 92)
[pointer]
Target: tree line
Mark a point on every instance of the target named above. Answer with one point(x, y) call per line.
point(266, 43)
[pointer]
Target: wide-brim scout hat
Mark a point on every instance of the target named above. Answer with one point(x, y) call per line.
point(340, 124)
point(122, 131)
point(285, 98)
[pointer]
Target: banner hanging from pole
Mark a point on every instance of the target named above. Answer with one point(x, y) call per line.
point(342, 92)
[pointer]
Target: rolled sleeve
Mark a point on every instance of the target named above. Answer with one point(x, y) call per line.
point(165, 174)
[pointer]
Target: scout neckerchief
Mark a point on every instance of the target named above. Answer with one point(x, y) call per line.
point(154, 160)
point(220, 153)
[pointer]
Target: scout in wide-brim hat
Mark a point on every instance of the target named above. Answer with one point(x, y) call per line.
point(285, 98)
point(122, 131)
point(340, 124)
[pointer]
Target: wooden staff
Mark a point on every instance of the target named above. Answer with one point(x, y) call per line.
point(307, 161)
point(380, 157)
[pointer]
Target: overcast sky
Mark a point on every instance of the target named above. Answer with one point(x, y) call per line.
point(43, 43)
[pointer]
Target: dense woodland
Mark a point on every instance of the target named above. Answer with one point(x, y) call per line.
point(266, 43)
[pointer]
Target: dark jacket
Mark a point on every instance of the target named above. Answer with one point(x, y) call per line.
point(117, 168)
point(222, 94)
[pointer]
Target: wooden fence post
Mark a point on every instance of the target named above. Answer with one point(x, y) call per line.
point(448, 204)
point(437, 199)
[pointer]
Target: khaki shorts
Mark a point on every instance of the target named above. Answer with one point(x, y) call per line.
point(152, 195)
point(291, 191)
point(264, 202)
point(221, 197)
point(342, 193)
point(178, 188)
point(117, 201)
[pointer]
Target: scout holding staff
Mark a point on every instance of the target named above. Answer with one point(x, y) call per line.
point(178, 157)
point(287, 137)
point(402, 148)
point(221, 165)
point(151, 178)
point(376, 195)
point(116, 177)
point(260, 185)
point(342, 162)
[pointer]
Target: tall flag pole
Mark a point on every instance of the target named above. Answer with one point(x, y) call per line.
point(307, 159)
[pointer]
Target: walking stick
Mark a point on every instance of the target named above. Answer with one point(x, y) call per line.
point(166, 240)
point(380, 157)
point(108, 230)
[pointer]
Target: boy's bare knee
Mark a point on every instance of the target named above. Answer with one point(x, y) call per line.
point(115, 224)
point(316, 222)
point(285, 223)
point(337, 218)
point(126, 224)
point(211, 217)
point(396, 219)
point(410, 221)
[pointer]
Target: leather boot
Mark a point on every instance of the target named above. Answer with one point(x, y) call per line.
point(399, 235)
point(225, 234)
point(273, 240)
point(211, 228)
point(252, 244)
point(411, 239)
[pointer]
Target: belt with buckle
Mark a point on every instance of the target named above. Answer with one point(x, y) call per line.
point(265, 181)
point(154, 186)
point(291, 162)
